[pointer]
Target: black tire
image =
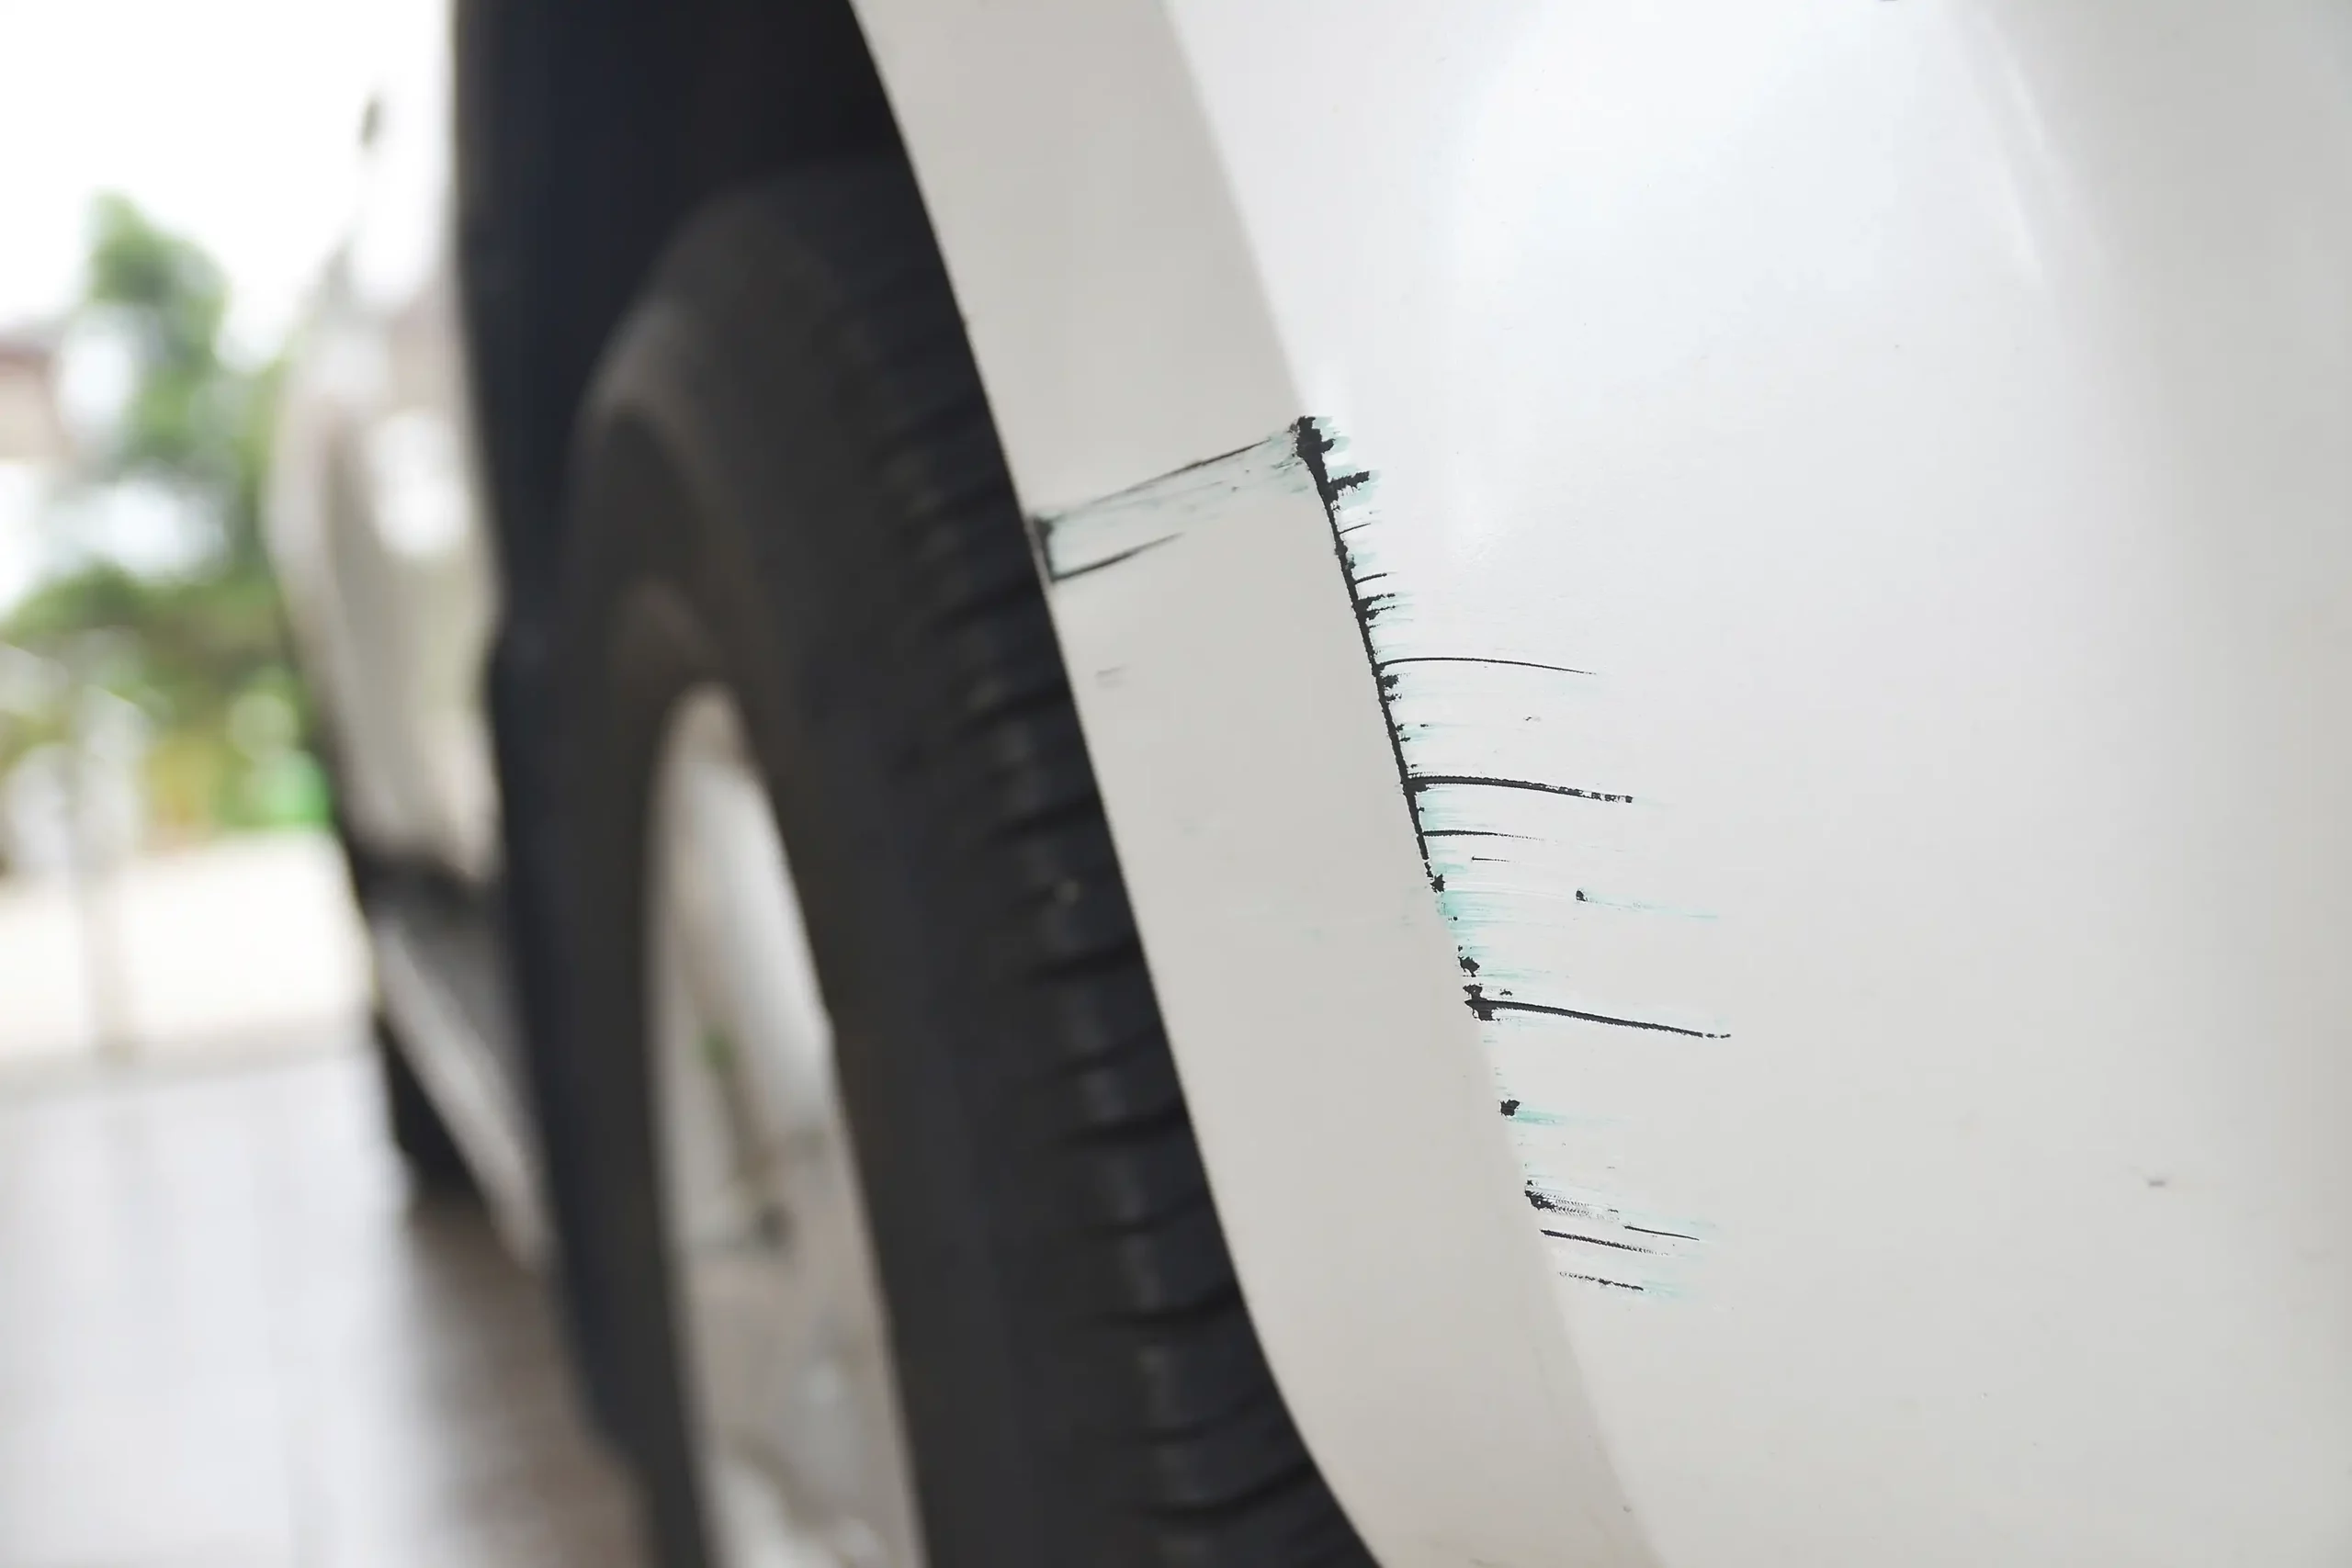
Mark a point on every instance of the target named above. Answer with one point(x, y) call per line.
point(418, 1131)
point(786, 480)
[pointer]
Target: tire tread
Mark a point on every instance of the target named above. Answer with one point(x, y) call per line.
point(1166, 1390)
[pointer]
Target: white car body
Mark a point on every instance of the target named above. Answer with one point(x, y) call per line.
point(1749, 878)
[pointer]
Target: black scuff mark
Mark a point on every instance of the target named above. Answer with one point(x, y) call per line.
point(1474, 659)
point(1142, 487)
point(1068, 543)
point(1479, 833)
point(1539, 1199)
point(1315, 447)
point(1138, 519)
point(1485, 1008)
point(1598, 1241)
point(1095, 566)
point(1373, 599)
point(1418, 782)
point(1588, 1216)
point(1602, 1280)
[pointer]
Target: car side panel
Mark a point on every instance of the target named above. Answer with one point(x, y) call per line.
point(1780, 773)
point(1333, 1074)
point(375, 519)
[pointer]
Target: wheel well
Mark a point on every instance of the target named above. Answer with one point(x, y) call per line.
point(587, 130)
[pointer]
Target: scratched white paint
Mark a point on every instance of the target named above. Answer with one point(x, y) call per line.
point(1123, 525)
point(1571, 932)
point(1305, 965)
point(1925, 419)
point(1928, 421)
point(1922, 425)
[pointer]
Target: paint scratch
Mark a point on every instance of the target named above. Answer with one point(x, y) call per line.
point(1478, 737)
point(1116, 528)
point(1517, 909)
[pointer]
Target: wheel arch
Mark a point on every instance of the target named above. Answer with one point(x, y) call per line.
point(586, 131)
point(1121, 331)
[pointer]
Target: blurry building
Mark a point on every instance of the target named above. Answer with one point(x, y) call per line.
point(32, 432)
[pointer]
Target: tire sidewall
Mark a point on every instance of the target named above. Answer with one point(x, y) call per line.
point(692, 532)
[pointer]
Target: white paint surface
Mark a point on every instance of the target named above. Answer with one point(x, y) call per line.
point(1279, 863)
point(374, 515)
point(1927, 420)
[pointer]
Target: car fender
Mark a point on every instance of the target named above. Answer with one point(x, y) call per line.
point(1680, 609)
point(1307, 981)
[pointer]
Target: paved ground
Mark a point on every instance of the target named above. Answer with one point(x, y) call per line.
point(230, 1340)
point(246, 941)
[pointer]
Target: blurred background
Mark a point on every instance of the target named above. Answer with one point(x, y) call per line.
point(230, 1331)
point(173, 178)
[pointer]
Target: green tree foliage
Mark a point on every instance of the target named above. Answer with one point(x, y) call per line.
point(190, 649)
point(194, 421)
point(187, 646)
